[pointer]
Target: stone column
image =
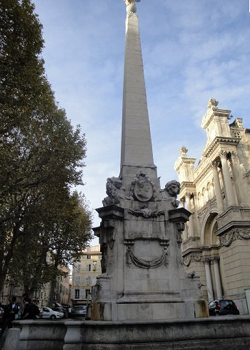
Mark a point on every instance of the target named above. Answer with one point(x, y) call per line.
point(185, 232)
point(190, 223)
point(217, 188)
point(196, 219)
point(217, 278)
point(227, 178)
point(209, 280)
point(241, 190)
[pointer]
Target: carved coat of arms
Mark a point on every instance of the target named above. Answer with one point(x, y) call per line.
point(142, 188)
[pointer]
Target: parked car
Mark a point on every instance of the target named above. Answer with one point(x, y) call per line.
point(222, 307)
point(47, 312)
point(79, 311)
point(61, 309)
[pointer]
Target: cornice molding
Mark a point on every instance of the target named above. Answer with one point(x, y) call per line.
point(218, 141)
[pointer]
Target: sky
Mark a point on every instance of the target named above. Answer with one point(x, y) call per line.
point(192, 50)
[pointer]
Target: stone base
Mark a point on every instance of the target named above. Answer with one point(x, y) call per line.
point(127, 309)
point(213, 333)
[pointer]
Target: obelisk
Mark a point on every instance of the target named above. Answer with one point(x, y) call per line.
point(143, 277)
point(136, 146)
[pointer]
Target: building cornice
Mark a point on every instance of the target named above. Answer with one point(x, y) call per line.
point(218, 141)
point(214, 112)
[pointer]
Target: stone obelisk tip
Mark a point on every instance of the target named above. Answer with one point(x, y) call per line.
point(131, 8)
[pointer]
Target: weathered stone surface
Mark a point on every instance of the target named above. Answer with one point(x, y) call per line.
point(35, 335)
point(136, 139)
point(224, 333)
point(12, 339)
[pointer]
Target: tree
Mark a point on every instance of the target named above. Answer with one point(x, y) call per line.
point(53, 240)
point(41, 155)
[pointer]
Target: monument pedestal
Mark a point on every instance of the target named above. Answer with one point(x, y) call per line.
point(143, 274)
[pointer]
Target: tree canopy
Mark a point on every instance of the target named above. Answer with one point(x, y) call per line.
point(42, 223)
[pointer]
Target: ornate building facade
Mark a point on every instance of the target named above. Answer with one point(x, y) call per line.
point(216, 241)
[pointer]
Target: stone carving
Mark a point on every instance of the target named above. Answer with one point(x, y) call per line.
point(171, 190)
point(212, 103)
point(128, 2)
point(194, 257)
point(146, 212)
point(191, 274)
point(227, 238)
point(131, 8)
point(114, 190)
point(180, 228)
point(146, 264)
point(142, 188)
point(236, 133)
point(183, 151)
point(224, 153)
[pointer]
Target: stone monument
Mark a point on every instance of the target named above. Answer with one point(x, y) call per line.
point(144, 299)
point(143, 276)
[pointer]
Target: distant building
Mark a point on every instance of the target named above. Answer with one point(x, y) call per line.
point(11, 288)
point(61, 293)
point(216, 242)
point(84, 274)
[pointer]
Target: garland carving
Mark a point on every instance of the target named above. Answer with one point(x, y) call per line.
point(146, 264)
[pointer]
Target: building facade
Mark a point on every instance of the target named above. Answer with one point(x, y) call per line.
point(84, 275)
point(216, 241)
point(61, 292)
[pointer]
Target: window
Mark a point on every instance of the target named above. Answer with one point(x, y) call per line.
point(88, 256)
point(77, 293)
point(89, 267)
point(87, 292)
point(78, 267)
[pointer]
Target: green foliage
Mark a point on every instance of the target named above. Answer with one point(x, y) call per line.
point(51, 241)
point(41, 158)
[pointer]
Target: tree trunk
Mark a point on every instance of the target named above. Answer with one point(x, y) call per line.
point(52, 292)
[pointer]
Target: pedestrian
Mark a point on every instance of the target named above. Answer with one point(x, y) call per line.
point(28, 310)
point(31, 310)
point(35, 310)
point(22, 304)
point(10, 312)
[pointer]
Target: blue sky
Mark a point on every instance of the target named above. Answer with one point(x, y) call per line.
point(192, 50)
